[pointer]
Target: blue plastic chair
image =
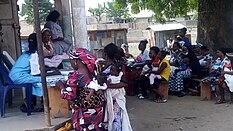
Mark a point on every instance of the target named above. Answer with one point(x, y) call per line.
point(8, 85)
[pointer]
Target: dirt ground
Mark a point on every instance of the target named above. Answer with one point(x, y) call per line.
point(186, 113)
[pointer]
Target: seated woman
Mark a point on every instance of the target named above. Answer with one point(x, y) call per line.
point(216, 68)
point(205, 61)
point(143, 81)
point(50, 58)
point(23, 70)
point(143, 57)
point(164, 72)
point(176, 54)
point(48, 46)
point(176, 84)
point(61, 44)
point(226, 78)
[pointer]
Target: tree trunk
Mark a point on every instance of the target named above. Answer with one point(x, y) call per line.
point(215, 23)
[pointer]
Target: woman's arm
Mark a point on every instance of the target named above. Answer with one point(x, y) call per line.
point(227, 72)
point(161, 68)
point(118, 85)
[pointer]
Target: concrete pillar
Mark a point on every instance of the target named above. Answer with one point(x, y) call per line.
point(79, 24)
point(66, 19)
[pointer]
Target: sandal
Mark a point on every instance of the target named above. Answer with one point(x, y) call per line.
point(220, 101)
point(39, 109)
point(160, 100)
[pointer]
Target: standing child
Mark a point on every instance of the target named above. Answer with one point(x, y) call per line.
point(116, 114)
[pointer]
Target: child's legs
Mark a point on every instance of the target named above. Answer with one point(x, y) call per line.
point(156, 85)
point(158, 77)
point(152, 78)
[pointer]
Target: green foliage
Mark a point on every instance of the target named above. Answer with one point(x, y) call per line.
point(44, 8)
point(117, 10)
point(163, 9)
point(97, 12)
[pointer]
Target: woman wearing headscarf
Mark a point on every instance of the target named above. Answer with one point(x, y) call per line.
point(61, 44)
point(48, 46)
point(115, 115)
point(25, 69)
point(87, 114)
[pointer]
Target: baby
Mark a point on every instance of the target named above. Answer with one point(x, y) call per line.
point(151, 67)
point(184, 66)
point(97, 84)
point(154, 67)
point(115, 75)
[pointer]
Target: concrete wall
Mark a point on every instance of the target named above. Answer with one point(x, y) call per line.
point(9, 28)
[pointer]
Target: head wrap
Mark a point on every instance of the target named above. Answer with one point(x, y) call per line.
point(45, 29)
point(229, 54)
point(32, 43)
point(204, 48)
point(85, 56)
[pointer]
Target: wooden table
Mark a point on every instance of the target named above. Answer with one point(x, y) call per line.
point(56, 103)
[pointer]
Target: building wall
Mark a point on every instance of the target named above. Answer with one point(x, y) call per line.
point(9, 28)
point(99, 39)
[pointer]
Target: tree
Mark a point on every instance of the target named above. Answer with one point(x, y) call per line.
point(214, 17)
point(97, 12)
point(45, 6)
point(215, 23)
point(163, 9)
point(117, 12)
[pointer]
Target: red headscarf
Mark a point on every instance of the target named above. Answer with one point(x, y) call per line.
point(85, 56)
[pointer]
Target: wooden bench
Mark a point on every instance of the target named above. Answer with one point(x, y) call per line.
point(205, 90)
point(56, 103)
point(163, 88)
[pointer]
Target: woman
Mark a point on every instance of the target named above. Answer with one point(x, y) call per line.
point(144, 55)
point(50, 58)
point(216, 68)
point(25, 68)
point(175, 56)
point(116, 115)
point(205, 61)
point(164, 72)
point(143, 82)
point(87, 115)
point(61, 44)
point(176, 84)
point(48, 46)
point(226, 63)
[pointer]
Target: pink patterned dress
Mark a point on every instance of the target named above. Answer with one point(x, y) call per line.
point(87, 115)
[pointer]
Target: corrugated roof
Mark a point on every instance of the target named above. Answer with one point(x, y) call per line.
point(163, 27)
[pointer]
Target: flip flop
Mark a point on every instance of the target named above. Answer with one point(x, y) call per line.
point(39, 109)
point(220, 101)
point(160, 100)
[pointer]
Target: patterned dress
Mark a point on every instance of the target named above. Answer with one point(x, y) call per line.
point(87, 115)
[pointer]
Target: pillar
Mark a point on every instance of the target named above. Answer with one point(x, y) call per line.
point(79, 24)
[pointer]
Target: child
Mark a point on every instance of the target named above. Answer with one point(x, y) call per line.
point(116, 114)
point(97, 84)
point(154, 67)
point(184, 67)
point(115, 75)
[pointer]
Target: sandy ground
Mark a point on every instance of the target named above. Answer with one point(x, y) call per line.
point(187, 113)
